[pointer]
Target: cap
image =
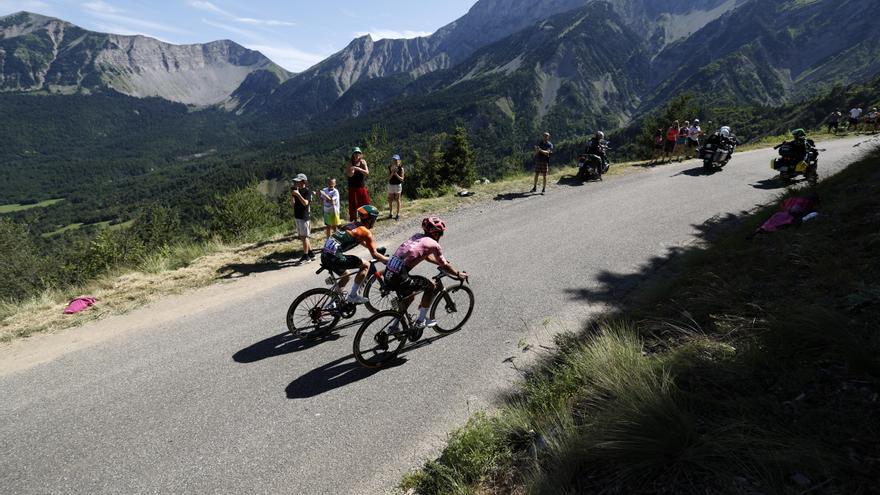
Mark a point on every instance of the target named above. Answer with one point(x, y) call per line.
point(300, 177)
point(395, 157)
point(696, 121)
point(356, 150)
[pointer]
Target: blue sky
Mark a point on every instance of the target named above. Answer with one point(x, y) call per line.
point(295, 34)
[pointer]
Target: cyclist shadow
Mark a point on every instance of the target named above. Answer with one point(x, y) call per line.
point(286, 343)
point(344, 371)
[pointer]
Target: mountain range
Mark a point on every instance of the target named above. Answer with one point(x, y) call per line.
point(127, 117)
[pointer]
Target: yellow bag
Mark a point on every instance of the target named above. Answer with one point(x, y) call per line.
point(801, 167)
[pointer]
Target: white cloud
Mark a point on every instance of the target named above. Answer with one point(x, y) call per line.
point(130, 22)
point(263, 22)
point(208, 6)
point(290, 58)
point(211, 7)
point(102, 7)
point(234, 29)
point(379, 34)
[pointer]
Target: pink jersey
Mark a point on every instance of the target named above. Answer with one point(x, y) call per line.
point(417, 248)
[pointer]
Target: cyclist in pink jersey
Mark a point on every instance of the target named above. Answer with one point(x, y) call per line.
point(418, 248)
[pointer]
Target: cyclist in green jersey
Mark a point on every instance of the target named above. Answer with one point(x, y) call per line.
point(356, 233)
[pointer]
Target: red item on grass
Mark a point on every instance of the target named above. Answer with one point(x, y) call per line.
point(79, 304)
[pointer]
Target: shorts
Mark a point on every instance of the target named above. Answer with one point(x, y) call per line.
point(404, 284)
point(669, 146)
point(681, 141)
point(693, 143)
point(303, 228)
point(658, 146)
point(340, 264)
point(541, 167)
point(853, 121)
point(331, 218)
point(395, 188)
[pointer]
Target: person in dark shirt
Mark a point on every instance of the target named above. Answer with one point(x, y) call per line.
point(543, 150)
point(357, 171)
point(596, 146)
point(301, 197)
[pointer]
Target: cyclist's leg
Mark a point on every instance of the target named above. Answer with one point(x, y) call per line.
point(427, 287)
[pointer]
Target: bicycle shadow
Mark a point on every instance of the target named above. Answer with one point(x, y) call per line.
point(344, 371)
point(513, 195)
point(286, 343)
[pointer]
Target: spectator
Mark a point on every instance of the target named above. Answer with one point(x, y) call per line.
point(671, 137)
point(330, 202)
point(854, 115)
point(301, 197)
point(834, 121)
point(543, 150)
point(694, 133)
point(395, 186)
point(658, 146)
point(681, 141)
point(357, 171)
point(872, 120)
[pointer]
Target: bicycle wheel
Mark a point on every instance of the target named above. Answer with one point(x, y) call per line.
point(379, 299)
point(379, 339)
point(313, 313)
point(452, 308)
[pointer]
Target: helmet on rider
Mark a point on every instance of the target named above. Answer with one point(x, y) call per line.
point(798, 133)
point(600, 134)
point(368, 214)
point(725, 131)
point(433, 227)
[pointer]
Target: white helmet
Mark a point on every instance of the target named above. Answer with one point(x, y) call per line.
point(725, 131)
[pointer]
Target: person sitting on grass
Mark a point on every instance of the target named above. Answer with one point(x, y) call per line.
point(349, 236)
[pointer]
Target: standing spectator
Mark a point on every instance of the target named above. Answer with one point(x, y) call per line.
point(543, 150)
point(872, 120)
point(357, 171)
point(330, 202)
point(395, 186)
point(671, 137)
point(694, 133)
point(681, 141)
point(834, 121)
point(854, 115)
point(301, 197)
point(658, 146)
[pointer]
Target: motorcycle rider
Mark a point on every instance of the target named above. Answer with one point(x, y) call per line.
point(802, 146)
point(597, 146)
point(723, 137)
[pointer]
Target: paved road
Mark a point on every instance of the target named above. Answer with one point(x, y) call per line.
point(205, 392)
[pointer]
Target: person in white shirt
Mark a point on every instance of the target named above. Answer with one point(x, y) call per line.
point(854, 115)
point(694, 133)
point(330, 202)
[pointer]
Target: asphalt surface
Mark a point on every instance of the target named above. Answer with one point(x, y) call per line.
point(217, 398)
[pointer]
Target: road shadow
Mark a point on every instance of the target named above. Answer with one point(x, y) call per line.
point(278, 345)
point(571, 180)
point(769, 184)
point(287, 343)
point(514, 195)
point(345, 371)
point(268, 263)
point(696, 172)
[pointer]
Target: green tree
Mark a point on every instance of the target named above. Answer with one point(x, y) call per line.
point(236, 214)
point(21, 268)
point(682, 107)
point(459, 158)
point(158, 226)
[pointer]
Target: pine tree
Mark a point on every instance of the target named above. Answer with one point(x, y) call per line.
point(459, 157)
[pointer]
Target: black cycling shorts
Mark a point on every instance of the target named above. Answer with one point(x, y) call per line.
point(405, 285)
point(340, 264)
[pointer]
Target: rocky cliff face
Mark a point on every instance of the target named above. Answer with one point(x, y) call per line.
point(43, 53)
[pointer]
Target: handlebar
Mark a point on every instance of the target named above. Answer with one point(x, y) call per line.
point(443, 273)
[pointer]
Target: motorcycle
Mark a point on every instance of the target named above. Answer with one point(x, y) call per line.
point(791, 162)
point(591, 167)
point(715, 154)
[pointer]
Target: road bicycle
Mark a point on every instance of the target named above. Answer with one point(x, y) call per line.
point(382, 336)
point(317, 311)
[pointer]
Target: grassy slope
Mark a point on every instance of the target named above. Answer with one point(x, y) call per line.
point(750, 367)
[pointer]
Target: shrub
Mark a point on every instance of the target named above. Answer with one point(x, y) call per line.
point(20, 267)
point(234, 215)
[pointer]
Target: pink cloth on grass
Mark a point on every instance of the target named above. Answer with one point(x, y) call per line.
point(79, 304)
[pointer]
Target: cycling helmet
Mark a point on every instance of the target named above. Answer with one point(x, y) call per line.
point(798, 133)
point(600, 134)
point(433, 225)
point(367, 212)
